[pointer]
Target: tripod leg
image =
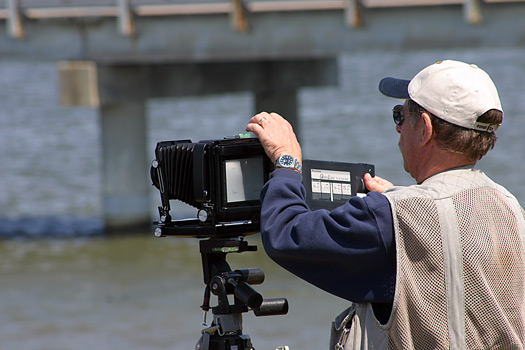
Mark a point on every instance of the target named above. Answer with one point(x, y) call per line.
point(231, 342)
point(225, 333)
point(204, 342)
point(215, 341)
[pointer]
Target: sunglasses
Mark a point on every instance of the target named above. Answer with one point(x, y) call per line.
point(397, 114)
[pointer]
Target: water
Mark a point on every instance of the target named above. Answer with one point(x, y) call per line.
point(64, 285)
point(136, 293)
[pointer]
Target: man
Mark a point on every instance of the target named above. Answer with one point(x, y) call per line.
point(437, 265)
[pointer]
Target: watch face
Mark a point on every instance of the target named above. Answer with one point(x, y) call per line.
point(286, 161)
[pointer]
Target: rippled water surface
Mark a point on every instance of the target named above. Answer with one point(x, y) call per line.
point(137, 293)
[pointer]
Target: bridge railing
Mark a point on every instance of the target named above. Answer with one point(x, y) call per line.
point(16, 11)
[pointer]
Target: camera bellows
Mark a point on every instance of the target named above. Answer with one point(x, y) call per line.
point(174, 175)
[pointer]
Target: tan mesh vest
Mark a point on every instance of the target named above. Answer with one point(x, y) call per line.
point(460, 241)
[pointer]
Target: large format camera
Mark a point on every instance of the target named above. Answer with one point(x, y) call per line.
point(221, 178)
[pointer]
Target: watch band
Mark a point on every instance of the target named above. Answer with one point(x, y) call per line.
point(290, 162)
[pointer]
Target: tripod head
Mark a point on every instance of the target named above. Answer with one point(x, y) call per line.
point(225, 331)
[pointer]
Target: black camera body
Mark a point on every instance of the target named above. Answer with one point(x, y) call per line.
point(221, 178)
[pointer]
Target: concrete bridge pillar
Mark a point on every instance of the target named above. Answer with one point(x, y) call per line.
point(125, 173)
point(119, 95)
point(119, 91)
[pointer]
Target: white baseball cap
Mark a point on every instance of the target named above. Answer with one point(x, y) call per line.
point(454, 91)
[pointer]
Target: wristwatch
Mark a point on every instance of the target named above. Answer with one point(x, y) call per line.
point(290, 162)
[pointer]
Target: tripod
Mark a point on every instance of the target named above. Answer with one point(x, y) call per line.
point(225, 331)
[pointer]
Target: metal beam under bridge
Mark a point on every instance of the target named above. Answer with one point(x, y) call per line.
point(118, 53)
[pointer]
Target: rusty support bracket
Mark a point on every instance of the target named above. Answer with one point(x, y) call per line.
point(472, 11)
point(14, 19)
point(239, 16)
point(125, 18)
point(353, 17)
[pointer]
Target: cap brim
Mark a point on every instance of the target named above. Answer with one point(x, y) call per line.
point(396, 88)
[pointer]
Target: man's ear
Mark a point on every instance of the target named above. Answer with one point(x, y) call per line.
point(427, 130)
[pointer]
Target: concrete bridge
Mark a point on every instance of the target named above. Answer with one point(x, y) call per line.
point(115, 54)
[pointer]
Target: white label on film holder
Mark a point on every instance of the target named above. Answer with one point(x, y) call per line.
point(331, 182)
point(330, 175)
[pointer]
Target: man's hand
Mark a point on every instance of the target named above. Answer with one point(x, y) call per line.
point(276, 135)
point(376, 183)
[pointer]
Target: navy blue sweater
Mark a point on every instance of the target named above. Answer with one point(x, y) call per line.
point(348, 252)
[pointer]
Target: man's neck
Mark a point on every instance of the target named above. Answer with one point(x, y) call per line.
point(439, 161)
